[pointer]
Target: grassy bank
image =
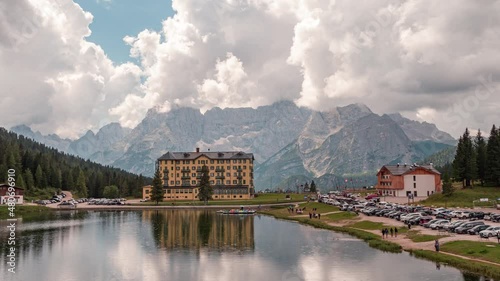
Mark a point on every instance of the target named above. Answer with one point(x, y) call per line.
point(479, 250)
point(464, 197)
point(373, 240)
point(415, 236)
point(268, 198)
point(467, 265)
point(22, 211)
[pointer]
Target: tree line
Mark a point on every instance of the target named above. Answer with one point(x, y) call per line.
point(477, 159)
point(39, 167)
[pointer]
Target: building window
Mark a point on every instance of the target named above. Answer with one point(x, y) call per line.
point(177, 182)
point(212, 167)
point(244, 182)
point(193, 182)
point(172, 182)
point(244, 167)
point(212, 174)
point(228, 174)
point(414, 178)
point(147, 191)
point(228, 182)
point(211, 161)
point(414, 185)
point(228, 168)
point(234, 181)
point(211, 182)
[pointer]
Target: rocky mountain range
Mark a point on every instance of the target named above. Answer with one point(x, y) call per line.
point(286, 140)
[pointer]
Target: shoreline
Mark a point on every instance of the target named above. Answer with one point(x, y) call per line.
point(422, 250)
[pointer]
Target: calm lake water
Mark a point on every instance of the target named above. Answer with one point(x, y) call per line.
point(200, 245)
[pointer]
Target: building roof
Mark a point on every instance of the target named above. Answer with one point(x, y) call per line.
point(6, 185)
point(229, 155)
point(398, 170)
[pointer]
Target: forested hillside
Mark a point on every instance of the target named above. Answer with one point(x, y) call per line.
point(40, 168)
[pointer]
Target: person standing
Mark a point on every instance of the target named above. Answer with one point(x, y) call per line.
point(392, 232)
point(436, 245)
point(383, 233)
point(396, 231)
point(498, 237)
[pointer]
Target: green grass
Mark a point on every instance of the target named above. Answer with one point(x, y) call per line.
point(341, 216)
point(22, 211)
point(415, 236)
point(41, 194)
point(489, 270)
point(268, 198)
point(321, 208)
point(464, 197)
point(369, 225)
point(479, 250)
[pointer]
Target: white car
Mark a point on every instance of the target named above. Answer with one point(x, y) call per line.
point(439, 224)
point(490, 232)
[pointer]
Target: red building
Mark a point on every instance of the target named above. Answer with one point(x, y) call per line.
point(19, 194)
point(403, 180)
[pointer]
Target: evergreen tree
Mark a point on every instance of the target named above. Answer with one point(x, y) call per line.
point(480, 146)
point(447, 185)
point(29, 180)
point(493, 156)
point(157, 190)
point(306, 186)
point(465, 165)
point(40, 180)
point(313, 187)
point(206, 190)
point(20, 181)
point(81, 186)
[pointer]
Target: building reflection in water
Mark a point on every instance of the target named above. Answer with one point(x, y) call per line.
point(194, 229)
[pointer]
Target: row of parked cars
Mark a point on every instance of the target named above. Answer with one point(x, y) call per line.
point(106, 201)
point(469, 222)
point(57, 198)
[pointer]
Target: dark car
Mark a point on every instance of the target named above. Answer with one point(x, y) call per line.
point(475, 230)
point(451, 227)
point(466, 226)
point(477, 215)
point(495, 217)
point(443, 215)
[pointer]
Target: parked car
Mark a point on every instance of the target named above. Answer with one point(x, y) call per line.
point(452, 226)
point(489, 232)
point(478, 228)
point(428, 224)
point(477, 215)
point(466, 226)
point(439, 224)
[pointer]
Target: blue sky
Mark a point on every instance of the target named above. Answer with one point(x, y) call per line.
point(114, 19)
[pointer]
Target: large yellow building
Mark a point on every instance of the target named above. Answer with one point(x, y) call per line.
point(231, 175)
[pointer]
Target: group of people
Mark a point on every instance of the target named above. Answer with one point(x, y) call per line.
point(314, 215)
point(292, 210)
point(392, 231)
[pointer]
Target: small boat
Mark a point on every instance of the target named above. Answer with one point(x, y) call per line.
point(240, 211)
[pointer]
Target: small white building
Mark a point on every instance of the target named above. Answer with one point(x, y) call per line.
point(405, 180)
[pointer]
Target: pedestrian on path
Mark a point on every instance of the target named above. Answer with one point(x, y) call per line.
point(436, 245)
point(409, 225)
point(396, 231)
point(383, 233)
point(319, 216)
point(392, 232)
point(498, 237)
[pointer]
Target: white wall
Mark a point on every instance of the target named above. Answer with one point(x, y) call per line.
point(425, 183)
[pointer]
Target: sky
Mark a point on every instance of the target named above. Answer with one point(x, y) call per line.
point(68, 67)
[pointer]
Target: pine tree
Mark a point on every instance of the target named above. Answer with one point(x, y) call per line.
point(306, 186)
point(206, 190)
point(20, 181)
point(313, 187)
point(81, 186)
point(493, 156)
point(447, 185)
point(157, 190)
point(40, 180)
point(30, 181)
point(465, 165)
point(480, 147)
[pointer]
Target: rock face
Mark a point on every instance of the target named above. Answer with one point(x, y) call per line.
point(51, 140)
point(288, 142)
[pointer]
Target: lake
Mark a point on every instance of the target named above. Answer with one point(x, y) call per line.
point(199, 245)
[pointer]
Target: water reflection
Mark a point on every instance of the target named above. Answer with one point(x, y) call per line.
point(202, 245)
point(196, 229)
